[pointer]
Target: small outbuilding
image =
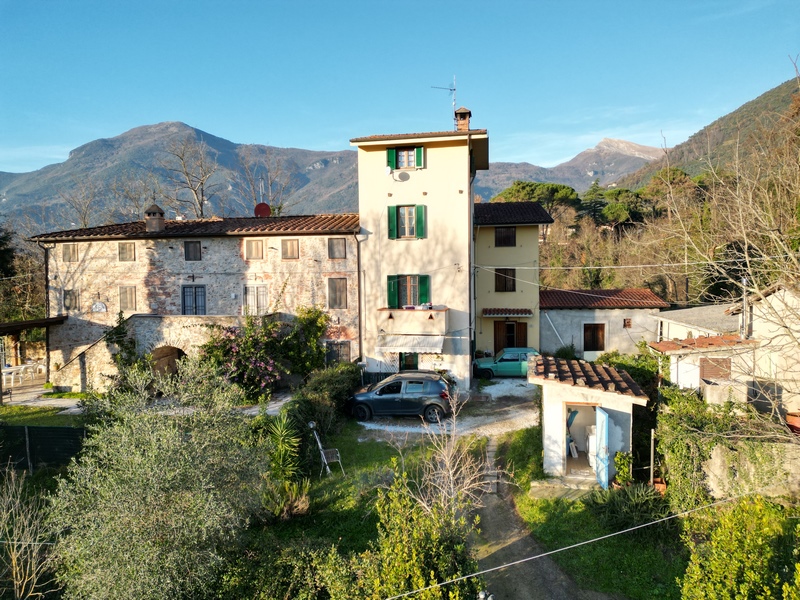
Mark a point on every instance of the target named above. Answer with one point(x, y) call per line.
point(597, 321)
point(587, 415)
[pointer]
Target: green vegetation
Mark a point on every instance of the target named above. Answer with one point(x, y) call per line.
point(644, 566)
point(46, 416)
point(68, 395)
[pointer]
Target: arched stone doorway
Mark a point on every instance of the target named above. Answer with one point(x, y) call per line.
point(164, 359)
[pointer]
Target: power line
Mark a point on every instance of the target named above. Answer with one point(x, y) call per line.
point(570, 547)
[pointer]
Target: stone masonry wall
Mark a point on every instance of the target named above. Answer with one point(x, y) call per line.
point(160, 275)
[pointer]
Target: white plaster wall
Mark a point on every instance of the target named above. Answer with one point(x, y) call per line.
point(556, 399)
point(443, 186)
point(568, 324)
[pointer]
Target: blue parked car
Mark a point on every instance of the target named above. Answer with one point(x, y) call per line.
point(509, 362)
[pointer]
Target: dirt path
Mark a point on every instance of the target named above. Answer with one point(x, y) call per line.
point(504, 538)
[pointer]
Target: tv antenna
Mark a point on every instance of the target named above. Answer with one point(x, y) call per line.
point(452, 90)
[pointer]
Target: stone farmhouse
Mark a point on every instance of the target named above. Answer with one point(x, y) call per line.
point(172, 278)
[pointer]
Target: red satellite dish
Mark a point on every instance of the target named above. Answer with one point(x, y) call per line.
point(263, 210)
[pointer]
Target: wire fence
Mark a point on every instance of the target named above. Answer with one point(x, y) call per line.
point(34, 447)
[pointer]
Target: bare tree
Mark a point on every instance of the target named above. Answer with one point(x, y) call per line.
point(131, 194)
point(262, 177)
point(25, 558)
point(190, 166)
point(453, 478)
point(742, 242)
point(85, 200)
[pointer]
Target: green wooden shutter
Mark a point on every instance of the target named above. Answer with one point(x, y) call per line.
point(424, 283)
point(391, 158)
point(418, 158)
point(392, 214)
point(419, 222)
point(392, 298)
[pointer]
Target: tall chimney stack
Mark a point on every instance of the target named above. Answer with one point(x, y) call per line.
point(462, 119)
point(154, 219)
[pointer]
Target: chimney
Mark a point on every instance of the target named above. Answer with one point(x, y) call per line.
point(154, 219)
point(462, 119)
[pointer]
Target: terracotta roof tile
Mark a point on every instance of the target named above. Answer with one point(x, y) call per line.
point(507, 312)
point(333, 224)
point(580, 373)
point(428, 134)
point(702, 344)
point(511, 213)
point(623, 298)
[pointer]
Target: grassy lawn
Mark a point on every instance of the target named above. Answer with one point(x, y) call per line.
point(38, 415)
point(341, 507)
point(639, 566)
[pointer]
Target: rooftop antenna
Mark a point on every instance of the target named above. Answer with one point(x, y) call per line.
point(452, 90)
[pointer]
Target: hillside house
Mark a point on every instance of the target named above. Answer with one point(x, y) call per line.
point(416, 210)
point(507, 274)
point(598, 321)
point(171, 278)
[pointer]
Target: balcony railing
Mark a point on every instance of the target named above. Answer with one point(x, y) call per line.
point(418, 320)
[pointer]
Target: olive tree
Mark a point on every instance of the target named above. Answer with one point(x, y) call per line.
point(148, 509)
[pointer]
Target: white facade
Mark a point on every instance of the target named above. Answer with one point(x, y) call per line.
point(416, 226)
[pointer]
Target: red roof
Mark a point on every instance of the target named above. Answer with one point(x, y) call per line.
point(702, 344)
point(624, 298)
point(580, 373)
point(340, 224)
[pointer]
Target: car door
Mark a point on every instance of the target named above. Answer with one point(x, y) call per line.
point(523, 364)
point(413, 397)
point(388, 398)
point(508, 365)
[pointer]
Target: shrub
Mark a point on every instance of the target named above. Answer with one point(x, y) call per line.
point(628, 506)
point(324, 396)
point(746, 555)
point(568, 351)
point(623, 465)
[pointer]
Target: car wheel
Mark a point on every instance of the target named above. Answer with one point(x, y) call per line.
point(362, 412)
point(485, 374)
point(433, 414)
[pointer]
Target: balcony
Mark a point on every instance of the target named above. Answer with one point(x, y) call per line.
point(416, 320)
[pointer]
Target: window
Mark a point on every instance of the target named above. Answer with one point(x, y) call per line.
point(337, 352)
point(126, 251)
point(505, 280)
point(406, 222)
point(194, 300)
point(254, 300)
point(627, 323)
point(253, 249)
point(337, 292)
point(404, 290)
point(290, 249)
point(395, 387)
point(505, 237)
point(127, 297)
point(191, 251)
point(337, 248)
point(594, 337)
point(72, 300)
point(69, 253)
point(405, 158)
point(715, 368)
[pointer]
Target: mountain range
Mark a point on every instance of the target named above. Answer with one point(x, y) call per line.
point(323, 181)
point(320, 181)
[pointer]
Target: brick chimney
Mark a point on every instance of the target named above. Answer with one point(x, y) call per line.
point(462, 119)
point(154, 219)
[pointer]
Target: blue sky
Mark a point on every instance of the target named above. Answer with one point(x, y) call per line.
point(548, 79)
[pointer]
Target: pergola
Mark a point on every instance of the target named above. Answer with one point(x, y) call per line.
point(20, 326)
